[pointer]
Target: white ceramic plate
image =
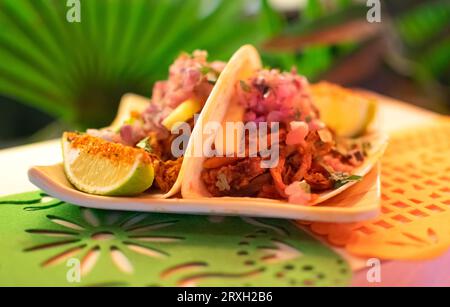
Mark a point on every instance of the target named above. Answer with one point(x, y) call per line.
point(350, 203)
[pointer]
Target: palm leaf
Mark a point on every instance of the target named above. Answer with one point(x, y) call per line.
point(79, 71)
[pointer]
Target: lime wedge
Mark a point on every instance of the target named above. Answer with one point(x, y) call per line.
point(182, 113)
point(96, 166)
point(346, 112)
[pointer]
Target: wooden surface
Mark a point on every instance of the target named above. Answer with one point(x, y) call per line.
point(394, 115)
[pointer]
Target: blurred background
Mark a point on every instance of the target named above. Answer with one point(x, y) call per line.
point(56, 75)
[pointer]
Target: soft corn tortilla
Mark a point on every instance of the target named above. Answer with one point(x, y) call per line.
point(241, 66)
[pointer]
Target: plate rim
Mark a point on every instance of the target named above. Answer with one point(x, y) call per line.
point(40, 177)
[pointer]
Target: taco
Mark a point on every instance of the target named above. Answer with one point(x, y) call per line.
point(312, 162)
point(153, 129)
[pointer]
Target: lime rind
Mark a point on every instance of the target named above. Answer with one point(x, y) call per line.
point(140, 181)
point(139, 176)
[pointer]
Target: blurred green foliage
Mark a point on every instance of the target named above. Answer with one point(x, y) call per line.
point(425, 32)
point(422, 31)
point(79, 71)
point(314, 60)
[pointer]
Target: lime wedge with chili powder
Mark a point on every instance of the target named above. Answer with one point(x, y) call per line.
point(96, 166)
point(348, 113)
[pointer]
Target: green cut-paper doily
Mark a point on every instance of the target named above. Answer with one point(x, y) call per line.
point(43, 241)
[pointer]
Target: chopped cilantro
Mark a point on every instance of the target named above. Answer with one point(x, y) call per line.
point(205, 70)
point(245, 87)
point(341, 179)
point(145, 145)
point(305, 186)
point(212, 80)
point(130, 121)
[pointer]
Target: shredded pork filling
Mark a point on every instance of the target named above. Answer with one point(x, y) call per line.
point(308, 150)
point(232, 176)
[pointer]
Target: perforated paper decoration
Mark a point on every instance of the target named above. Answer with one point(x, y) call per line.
point(43, 240)
point(415, 219)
